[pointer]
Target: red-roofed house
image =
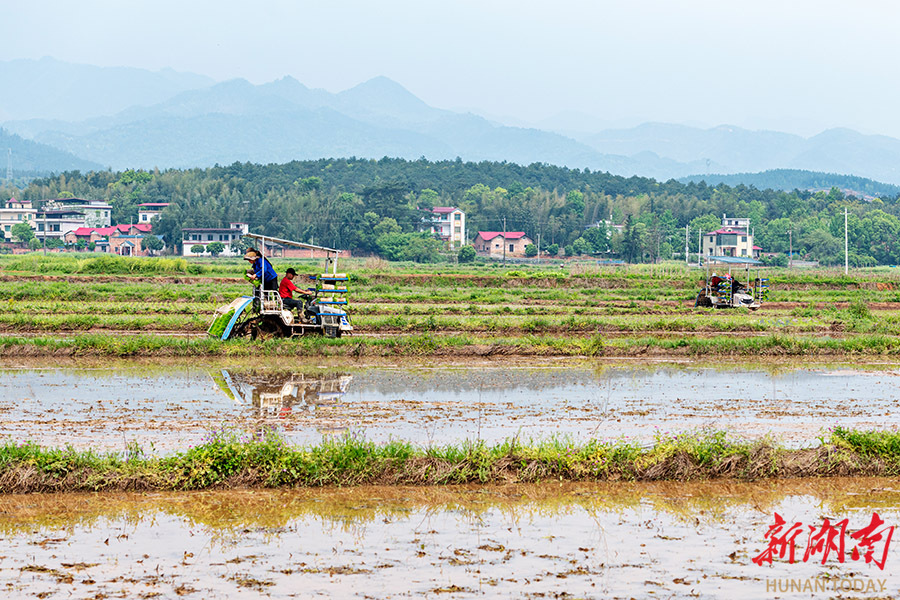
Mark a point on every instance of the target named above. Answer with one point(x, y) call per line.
point(497, 244)
point(86, 234)
point(732, 239)
point(449, 224)
point(92, 234)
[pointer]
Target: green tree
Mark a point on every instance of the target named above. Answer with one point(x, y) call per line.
point(597, 237)
point(575, 203)
point(428, 198)
point(385, 226)
point(531, 250)
point(466, 254)
point(553, 249)
point(702, 225)
point(779, 260)
point(581, 246)
point(35, 244)
point(635, 240)
point(241, 245)
point(417, 247)
point(773, 236)
point(391, 245)
point(824, 247)
point(215, 248)
point(152, 243)
point(421, 248)
point(309, 184)
point(22, 232)
point(198, 249)
point(53, 243)
point(126, 193)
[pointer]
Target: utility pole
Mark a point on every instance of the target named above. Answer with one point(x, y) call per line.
point(846, 247)
point(790, 248)
point(656, 233)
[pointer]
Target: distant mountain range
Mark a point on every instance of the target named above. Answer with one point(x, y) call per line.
point(795, 179)
point(133, 118)
point(32, 159)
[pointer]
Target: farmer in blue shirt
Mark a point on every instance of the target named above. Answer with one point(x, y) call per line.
point(261, 269)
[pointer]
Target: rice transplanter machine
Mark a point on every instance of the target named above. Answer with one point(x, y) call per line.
point(263, 314)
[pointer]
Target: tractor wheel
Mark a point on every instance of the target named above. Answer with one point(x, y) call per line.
point(242, 328)
point(702, 300)
point(266, 328)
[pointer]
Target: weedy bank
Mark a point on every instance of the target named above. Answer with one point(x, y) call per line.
point(229, 458)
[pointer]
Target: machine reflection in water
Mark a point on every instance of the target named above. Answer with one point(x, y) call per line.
point(286, 394)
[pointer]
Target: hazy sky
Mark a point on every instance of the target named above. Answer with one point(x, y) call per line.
point(792, 65)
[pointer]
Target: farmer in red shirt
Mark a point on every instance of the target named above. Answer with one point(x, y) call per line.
point(286, 290)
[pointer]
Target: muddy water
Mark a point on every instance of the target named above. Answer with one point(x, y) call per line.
point(588, 541)
point(173, 406)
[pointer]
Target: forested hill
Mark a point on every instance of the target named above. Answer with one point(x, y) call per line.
point(450, 178)
point(28, 159)
point(795, 179)
point(372, 206)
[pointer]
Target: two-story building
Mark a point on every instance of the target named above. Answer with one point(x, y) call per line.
point(203, 236)
point(732, 239)
point(500, 244)
point(148, 211)
point(16, 211)
point(59, 216)
point(449, 224)
point(96, 213)
point(57, 222)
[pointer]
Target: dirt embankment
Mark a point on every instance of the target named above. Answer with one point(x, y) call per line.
point(151, 279)
point(763, 461)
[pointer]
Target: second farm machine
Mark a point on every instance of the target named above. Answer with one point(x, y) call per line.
point(723, 289)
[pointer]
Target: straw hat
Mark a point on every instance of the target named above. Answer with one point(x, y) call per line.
point(251, 254)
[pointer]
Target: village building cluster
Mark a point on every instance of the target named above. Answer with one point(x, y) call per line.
point(78, 223)
point(86, 225)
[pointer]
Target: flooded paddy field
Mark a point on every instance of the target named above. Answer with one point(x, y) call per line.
point(613, 540)
point(165, 407)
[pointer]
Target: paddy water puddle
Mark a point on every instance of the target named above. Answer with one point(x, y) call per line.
point(615, 540)
point(165, 408)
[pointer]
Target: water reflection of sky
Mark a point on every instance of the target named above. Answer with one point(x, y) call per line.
point(173, 407)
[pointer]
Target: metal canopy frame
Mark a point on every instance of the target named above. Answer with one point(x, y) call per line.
point(330, 261)
point(732, 260)
point(283, 242)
